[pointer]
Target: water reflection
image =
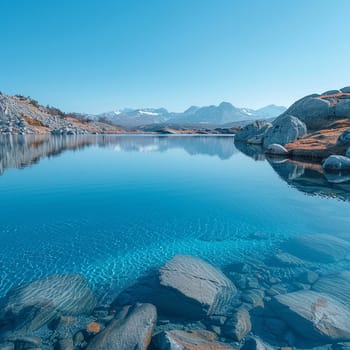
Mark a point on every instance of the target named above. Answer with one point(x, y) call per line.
point(17, 151)
point(305, 176)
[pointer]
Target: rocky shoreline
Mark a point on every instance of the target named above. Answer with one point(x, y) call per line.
point(317, 127)
point(298, 297)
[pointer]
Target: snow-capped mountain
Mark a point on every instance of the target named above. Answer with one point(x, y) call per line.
point(224, 113)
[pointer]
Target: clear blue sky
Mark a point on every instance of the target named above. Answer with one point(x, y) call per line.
point(99, 55)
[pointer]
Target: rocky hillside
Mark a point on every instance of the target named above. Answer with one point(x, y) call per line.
point(23, 115)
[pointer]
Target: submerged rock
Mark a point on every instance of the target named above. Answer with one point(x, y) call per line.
point(238, 326)
point(30, 306)
point(192, 288)
point(131, 329)
point(188, 340)
point(315, 316)
point(336, 285)
point(318, 247)
point(285, 129)
point(336, 163)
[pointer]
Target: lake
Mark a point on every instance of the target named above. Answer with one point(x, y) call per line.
point(114, 207)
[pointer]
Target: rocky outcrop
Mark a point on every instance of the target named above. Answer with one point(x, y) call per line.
point(318, 111)
point(30, 306)
point(193, 288)
point(318, 247)
point(185, 340)
point(253, 133)
point(322, 143)
point(132, 328)
point(285, 129)
point(311, 110)
point(23, 115)
point(314, 315)
point(336, 163)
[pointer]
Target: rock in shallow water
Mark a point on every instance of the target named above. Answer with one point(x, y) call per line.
point(131, 329)
point(185, 340)
point(315, 316)
point(337, 286)
point(238, 326)
point(318, 247)
point(30, 306)
point(192, 288)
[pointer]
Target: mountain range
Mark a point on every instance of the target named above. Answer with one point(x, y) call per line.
point(222, 114)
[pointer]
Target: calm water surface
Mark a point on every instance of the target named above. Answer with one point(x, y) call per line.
point(113, 207)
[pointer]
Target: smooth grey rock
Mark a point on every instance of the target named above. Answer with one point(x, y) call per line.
point(313, 315)
point(277, 149)
point(318, 247)
point(285, 129)
point(336, 285)
point(336, 163)
point(131, 329)
point(346, 90)
point(312, 111)
point(192, 288)
point(253, 133)
point(344, 138)
point(342, 108)
point(188, 340)
point(238, 326)
point(30, 306)
point(331, 92)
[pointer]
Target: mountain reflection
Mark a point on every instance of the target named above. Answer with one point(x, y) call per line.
point(18, 151)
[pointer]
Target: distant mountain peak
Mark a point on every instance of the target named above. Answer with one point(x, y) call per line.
point(223, 113)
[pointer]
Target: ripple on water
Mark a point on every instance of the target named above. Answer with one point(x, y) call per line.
point(113, 256)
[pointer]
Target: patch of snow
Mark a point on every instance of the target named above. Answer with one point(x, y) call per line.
point(148, 113)
point(246, 111)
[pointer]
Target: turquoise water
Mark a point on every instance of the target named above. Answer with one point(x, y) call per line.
point(113, 207)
